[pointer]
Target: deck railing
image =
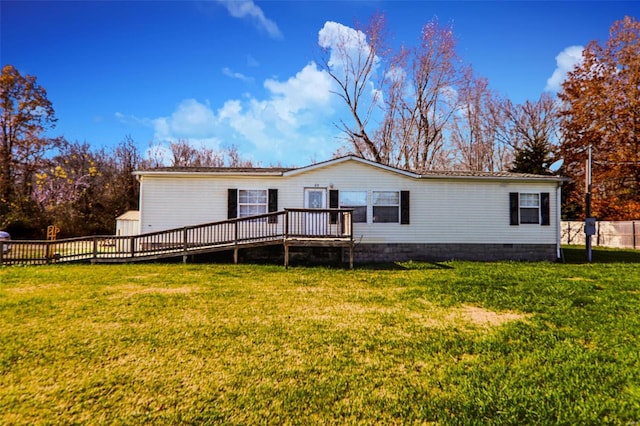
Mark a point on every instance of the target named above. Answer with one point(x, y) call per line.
point(276, 227)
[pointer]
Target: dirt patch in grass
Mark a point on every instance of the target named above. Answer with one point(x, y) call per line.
point(486, 318)
point(31, 289)
point(144, 277)
point(134, 290)
point(439, 317)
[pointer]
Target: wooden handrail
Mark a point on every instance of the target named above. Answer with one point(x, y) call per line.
point(296, 223)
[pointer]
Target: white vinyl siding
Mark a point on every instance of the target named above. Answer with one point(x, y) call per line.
point(443, 210)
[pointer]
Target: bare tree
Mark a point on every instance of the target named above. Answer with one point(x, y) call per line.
point(531, 122)
point(531, 130)
point(182, 153)
point(186, 155)
point(411, 92)
point(352, 60)
point(234, 159)
point(425, 113)
point(473, 130)
point(126, 160)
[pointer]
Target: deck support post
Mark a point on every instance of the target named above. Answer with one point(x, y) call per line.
point(185, 246)
point(351, 256)
point(235, 255)
point(95, 248)
point(286, 255)
point(49, 253)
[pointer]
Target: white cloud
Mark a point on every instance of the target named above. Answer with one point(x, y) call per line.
point(344, 42)
point(396, 73)
point(565, 62)
point(377, 95)
point(248, 9)
point(291, 125)
point(236, 75)
point(349, 51)
point(191, 119)
point(308, 89)
point(450, 94)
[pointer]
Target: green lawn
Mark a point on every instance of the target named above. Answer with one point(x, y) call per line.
point(448, 343)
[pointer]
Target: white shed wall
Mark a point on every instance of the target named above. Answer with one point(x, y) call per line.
point(128, 223)
point(125, 228)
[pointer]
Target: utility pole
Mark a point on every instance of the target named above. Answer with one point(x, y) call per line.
point(589, 222)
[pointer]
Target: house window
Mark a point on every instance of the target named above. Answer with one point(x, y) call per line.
point(252, 202)
point(356, 200)
point(529, 208)
point(386, 206)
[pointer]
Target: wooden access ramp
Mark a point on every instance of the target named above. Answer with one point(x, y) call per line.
point(289, 228)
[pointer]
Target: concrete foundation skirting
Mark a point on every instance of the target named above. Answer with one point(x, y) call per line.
point(440, 252)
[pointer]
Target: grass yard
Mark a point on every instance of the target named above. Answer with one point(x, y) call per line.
point(412, 343)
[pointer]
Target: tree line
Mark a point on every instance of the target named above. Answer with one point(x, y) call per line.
point(73, 185)
point(417, 108)
point(430, 110)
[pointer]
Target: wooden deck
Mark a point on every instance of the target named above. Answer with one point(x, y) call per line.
point(289, 228)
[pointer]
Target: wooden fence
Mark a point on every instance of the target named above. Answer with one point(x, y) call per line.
point(620, 234)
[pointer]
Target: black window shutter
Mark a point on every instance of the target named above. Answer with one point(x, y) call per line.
point(514, 208)
point(545, 216)
point(232, 204)
point(273, 205)
point(404, 207)
point(333, 204)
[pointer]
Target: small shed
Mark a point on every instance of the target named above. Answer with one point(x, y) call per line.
point(128, 223)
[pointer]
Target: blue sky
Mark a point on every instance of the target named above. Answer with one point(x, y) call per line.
point(245, 73)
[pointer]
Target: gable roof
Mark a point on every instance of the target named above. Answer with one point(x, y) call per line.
point(292, 171)
point(129, 215)
point(350, 158)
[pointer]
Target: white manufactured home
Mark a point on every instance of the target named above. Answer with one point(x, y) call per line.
point(393, 214)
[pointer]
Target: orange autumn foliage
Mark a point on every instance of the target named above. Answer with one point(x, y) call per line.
point(602, 108)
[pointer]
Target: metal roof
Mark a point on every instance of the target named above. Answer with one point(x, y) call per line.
point(129, 215)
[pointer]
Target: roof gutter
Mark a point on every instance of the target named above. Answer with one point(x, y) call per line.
point(203, 174)
point(556, 179)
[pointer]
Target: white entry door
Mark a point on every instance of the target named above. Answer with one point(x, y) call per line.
point(316, 223)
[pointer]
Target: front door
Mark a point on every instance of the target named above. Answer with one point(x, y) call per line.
point(316, 223)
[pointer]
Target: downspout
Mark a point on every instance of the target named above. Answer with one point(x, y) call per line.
point(139, 179)
point(558, 220)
